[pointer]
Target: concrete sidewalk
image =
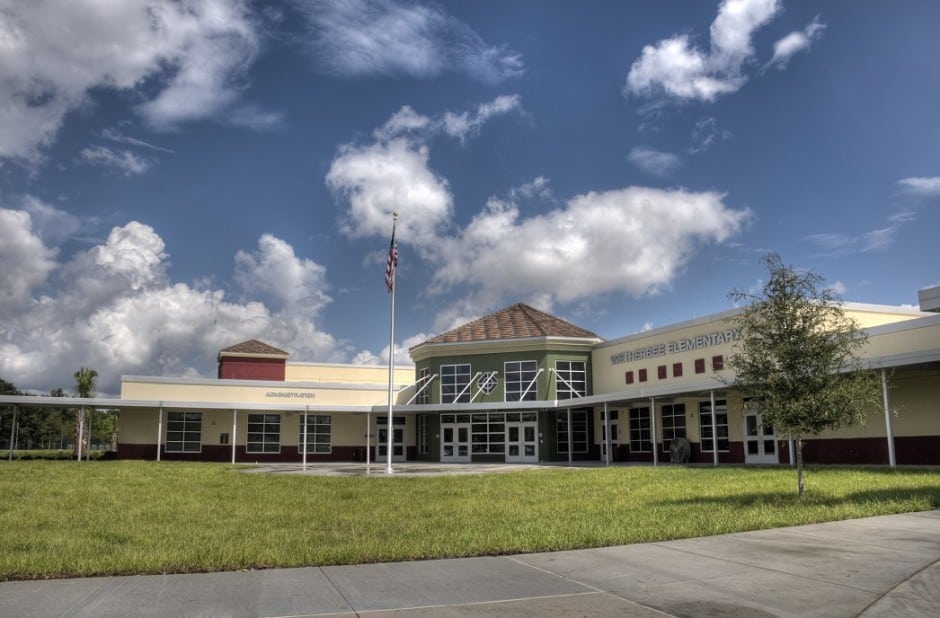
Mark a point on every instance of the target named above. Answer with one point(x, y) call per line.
point(880, 566)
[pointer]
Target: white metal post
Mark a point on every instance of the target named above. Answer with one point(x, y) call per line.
point(81, 429)
point(368, 439)
point(159, 430)
point(234, 429)
point(570, 439)
point(714, 430)
point(306, 411)
point(889, 426)
point(13, 433)
point(653, 430)
point(607, 440)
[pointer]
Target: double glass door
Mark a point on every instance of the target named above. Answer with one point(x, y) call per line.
point(522, 443)
point(760, 441)
point(398, 443)
point(455, 442)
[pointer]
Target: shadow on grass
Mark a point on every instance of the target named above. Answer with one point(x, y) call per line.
point(928, 496)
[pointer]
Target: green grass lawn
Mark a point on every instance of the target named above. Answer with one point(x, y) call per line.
point(61, 519)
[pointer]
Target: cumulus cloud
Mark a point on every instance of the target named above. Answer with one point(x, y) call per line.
point(115, 308)
point(654, 162)
point(381, 178)
point(677, 68)
point(385, 37)
point(921, 186)
point(632, 240)
point(124, 161)
point(191, 56)
point(275, 271)
point(795, 42)
point(402, 358)
point(51, 224)
point(393, 174)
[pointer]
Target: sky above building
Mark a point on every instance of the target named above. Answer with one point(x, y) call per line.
point(179, 177)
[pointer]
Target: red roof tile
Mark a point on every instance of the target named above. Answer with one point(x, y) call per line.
point(253, 346)
point(515, 322)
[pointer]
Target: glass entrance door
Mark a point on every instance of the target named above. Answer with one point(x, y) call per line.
point(455, 442)
point(614, 435)
point(760, 441)
point(522, 443)
point(398, 444)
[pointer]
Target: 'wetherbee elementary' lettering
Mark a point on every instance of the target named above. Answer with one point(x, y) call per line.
point(674, 347)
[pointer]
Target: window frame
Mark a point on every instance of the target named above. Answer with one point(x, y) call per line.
point(578, 418)
point(456, 380)
point(267, 421)
point(704, 411)
point(180, 422)
point(316, 432)
point(641, 430)
point(671, 426)
point(519, 378)
point(562, 390)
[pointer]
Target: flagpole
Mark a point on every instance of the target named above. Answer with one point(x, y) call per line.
point(390, 282)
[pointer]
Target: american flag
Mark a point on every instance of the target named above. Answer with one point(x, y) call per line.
point(392, 263)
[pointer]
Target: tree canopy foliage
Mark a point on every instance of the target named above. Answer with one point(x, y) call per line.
point(798, 356)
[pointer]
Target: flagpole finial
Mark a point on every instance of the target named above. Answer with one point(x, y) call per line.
point(394, 214)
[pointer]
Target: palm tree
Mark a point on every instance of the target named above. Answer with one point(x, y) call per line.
point(85, 379)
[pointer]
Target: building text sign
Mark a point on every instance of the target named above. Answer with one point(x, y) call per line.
point(674, 347)
point(289, 395)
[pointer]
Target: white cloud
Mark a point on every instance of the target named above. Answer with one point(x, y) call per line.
point(116, 309)
point(837, 245)
point(385, 37)
point(124, 160)
point(705, 134)
point(275, 272)
point(191, 56)
point(795, 42)
point(116, 136)
point(634, 240)
point(51, 224)
point(26, 261)
point(402, 358)
point(654, 162)
point(922, 186)
point(382, 178)
point(467, 124)
point(677, 68)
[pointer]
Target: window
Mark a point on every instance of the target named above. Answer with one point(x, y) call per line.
point(264, 433)
point(423, 434)
point(628, 376)
point(183, 432)
point(677, 370)
point(319, 434)
point(223, 439)
point(640, 441)
point(699, 365)
point(519, 376)
point(721, 425)
point(579, 430)
point(661, 372)
point(572, 379)
point(488, 432)
point(424, 397)
point(454, 382)
point(673, 423)
point(718, 363)
point(642, 373)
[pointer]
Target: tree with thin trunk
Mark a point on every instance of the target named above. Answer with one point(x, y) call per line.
point(797, 357)
point(85, 379)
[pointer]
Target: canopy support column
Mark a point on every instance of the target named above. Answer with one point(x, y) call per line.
point(607, 440)
point(306, 411)
point(889, 426)
point(653, 431)
point(13, 432)
point(570, 439)
point(234, 430)
point(159, 430)
point(714, 430)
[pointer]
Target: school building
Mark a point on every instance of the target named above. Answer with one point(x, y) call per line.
point(520, 385)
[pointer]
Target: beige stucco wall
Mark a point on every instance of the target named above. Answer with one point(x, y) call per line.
point(346, 374)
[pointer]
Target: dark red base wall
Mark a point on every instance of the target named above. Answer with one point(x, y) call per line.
point(908, 451)
point(288, 454)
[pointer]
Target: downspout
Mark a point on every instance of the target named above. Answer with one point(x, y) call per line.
point(889, 429)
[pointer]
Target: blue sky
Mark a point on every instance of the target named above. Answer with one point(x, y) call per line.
point(175, 178)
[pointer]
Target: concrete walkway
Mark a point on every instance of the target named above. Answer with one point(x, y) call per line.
point(880, 566)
